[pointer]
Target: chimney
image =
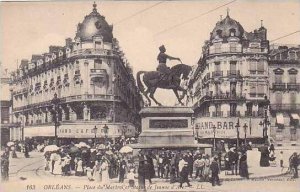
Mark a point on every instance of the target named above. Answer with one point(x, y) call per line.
point(68, 42)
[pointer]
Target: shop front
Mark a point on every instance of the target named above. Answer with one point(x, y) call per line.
point(228, 129)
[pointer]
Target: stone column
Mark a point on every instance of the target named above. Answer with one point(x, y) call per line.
point(212, 109)
point(242, 109)
point(63, 114)
point(50, 116)
point(86, 76)
point(73, 116)
point(86, 113)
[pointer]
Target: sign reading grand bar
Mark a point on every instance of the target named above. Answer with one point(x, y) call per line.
point(226, 127)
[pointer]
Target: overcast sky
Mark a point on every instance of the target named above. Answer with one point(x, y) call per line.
point(29, 28)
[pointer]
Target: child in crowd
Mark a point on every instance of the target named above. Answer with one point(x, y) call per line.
point(281, 158)
point(131, 175)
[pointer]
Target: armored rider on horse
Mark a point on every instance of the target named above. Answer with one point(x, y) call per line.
point(164, 77)
point(162, 63)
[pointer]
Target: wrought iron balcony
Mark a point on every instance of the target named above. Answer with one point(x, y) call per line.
point(217, 74)
point(217, 114)
point(293, 86)
point(233, 73)
point(284, 107)
point(98, 72)
point(279, 86)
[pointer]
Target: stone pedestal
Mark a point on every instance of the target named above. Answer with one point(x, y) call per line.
point(167, 127)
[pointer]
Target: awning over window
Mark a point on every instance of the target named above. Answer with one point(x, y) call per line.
point(295, 116)
point(279, 118)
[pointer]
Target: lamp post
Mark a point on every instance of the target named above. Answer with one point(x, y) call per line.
point(265, 123)
point(105, 130)
point(124, 130)
point(197, 133)
point(245, 131)
point(214, 130)
point(237, 126)
point(95, 132)
point(55, 101)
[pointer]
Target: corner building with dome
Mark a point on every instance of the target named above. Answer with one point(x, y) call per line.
point(93, 82)
point(230, 83)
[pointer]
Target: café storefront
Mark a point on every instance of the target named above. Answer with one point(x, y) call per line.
point(76, 132)
point(228, 130)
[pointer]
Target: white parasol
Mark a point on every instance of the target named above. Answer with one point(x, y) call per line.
point(126, 149)
point(51, 148)
point(10, 143)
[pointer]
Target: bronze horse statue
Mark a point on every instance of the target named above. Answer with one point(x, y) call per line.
point(154, 80)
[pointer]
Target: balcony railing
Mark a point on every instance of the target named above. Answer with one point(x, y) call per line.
point(293, 86)
point(233, 73)
point(217, 114)
point(279, 86)
point(217, 74)
point(103, 52)
point(98, 72)
point(234, 113)
point(284, 107)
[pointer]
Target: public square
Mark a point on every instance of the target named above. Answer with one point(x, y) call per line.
point(150, 96)
point(29, 173)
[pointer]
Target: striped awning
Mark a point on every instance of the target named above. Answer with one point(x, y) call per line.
point(295, 116)
point(279, 118)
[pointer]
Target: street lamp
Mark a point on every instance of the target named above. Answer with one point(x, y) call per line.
point(55, 101)
point(105, 130)
point(95, 132)
point(237, 126)
point(245, 131)
point(214, 130)
point(265, 123)
point(124, 130)
point(197, 133)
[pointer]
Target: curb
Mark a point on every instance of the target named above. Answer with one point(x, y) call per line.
point(254, 178)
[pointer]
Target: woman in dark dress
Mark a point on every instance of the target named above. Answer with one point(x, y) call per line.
point(142, 173)
point(244, 166)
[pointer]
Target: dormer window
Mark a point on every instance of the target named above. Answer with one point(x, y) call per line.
point(219, 33)
point(232, 32)
point(53, 56)
point(61, 53)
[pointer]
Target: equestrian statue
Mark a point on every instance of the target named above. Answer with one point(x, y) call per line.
point(164, 77)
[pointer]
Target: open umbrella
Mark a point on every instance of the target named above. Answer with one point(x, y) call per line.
point(10, 143)
point(83, 144)
point(126, 149)
point(51, 148)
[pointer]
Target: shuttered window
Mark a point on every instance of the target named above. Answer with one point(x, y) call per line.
point(293, 78)
point(278, 78)
point(278, 98)
point(260, 67)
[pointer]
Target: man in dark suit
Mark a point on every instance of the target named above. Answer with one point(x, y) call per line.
point(215, 170)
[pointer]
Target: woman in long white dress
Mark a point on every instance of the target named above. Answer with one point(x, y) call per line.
point(104, 170)
point(97, 172)
point(57, 165)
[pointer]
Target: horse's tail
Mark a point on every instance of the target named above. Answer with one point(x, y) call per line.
point(139, 82)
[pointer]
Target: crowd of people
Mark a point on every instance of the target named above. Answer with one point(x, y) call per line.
point(102, 163)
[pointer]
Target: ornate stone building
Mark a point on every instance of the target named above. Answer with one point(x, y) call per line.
point(230, 83)
point(92, 80)
point(284, 67)
point(5, 103)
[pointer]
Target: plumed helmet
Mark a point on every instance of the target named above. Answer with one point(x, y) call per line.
point(162, 48)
